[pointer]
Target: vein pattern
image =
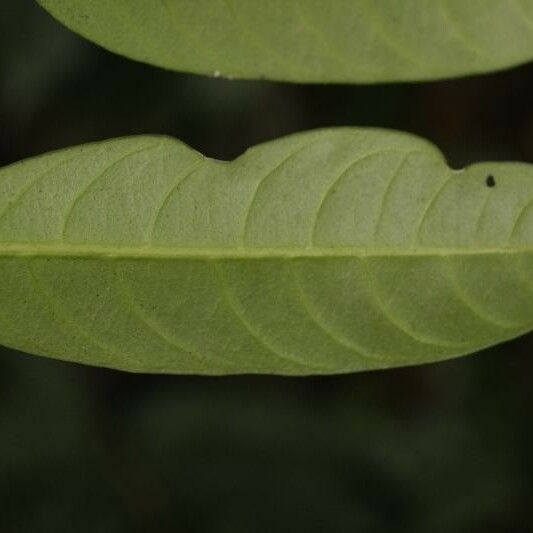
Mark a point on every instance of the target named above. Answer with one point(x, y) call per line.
point(328, 251)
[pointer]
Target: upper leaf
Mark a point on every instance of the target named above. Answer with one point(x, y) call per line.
point(328, 251)
point(310, 40)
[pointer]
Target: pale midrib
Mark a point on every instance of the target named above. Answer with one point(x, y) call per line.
point(160, 252)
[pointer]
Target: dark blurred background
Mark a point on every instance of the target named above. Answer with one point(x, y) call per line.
point(440, 448)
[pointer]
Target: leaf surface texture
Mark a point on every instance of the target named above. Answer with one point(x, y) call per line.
point(323, 252)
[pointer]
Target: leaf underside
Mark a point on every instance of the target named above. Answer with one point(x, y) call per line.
point(310, 40)
point(324, 252)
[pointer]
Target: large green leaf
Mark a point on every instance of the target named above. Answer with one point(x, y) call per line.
point(328, 251)
point(310, 40)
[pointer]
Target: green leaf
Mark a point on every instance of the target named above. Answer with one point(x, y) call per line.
point(329, 251)
point(310, 40)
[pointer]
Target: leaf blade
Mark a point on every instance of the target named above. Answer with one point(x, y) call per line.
point(322, 252)
point(361, 42)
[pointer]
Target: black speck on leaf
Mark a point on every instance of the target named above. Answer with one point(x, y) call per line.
point(490, 181)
